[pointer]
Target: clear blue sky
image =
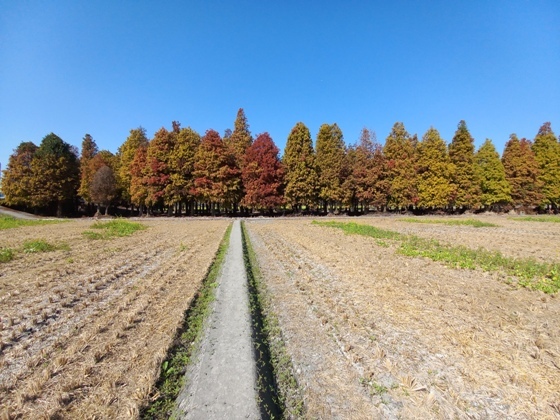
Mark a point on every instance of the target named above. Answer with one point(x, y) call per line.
point(105, 67)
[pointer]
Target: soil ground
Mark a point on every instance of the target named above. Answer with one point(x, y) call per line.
point(83, 332)
point(221, 383)
point(375, 334)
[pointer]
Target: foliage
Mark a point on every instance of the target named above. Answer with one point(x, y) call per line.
point(217, 177)
point(547, 155)
point(103, 187)
point(466, 186)
point(240, 139)
point(400, 155)
point(55, 170)
point(263, 174)
point(18, 176)
point(491, 174)
point(451, 222)
point(126, 153)
point(329, 162)
point(157, 172)
point(89, 150)
point(299, 161)
point(182, 161)
point(173, 368)
point(112, 229)
point(434, 170)
point(522, 172)
point(138, 185)
point(369, 171)
point(7, 222)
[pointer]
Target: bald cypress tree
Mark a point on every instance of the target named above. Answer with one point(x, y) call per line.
point(522, 172)
point(89, 150)
point(299, 162)
point(237, 142)
point(330, 164)
point(495, 189)
point(465, 183)
point(547, 154)
point(127, 151)
point(18, 175)
point(434, 170)
point(56, 174)
point(400, 155)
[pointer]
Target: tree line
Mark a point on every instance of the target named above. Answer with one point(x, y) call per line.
point(179, 171)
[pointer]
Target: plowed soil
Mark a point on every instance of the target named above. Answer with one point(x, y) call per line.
point(84, 331)
point(376, 334)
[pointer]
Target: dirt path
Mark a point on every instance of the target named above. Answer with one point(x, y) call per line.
point(17, 214)
point(221, 383)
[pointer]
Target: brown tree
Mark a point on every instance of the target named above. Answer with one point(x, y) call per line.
point(103, 188)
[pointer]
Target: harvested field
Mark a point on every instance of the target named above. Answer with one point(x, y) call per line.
point(84, 331)
point(376, 334)
point(511, 237)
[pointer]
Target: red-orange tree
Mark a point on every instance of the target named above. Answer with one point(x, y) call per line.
point(216, 176)
point(263, 175)
point(17, 177)
point(522, 172)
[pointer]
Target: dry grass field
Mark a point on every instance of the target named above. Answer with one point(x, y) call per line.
point(84, 328)
point(377, 334)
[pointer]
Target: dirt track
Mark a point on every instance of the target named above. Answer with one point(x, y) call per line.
point(84, 331)
point(373, 333)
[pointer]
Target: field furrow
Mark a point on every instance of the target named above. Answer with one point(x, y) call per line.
point(85, 330)
point(407, 337)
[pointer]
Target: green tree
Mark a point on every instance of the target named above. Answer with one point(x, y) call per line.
point(491, 173)
point(400, 154)
point(89, 150)
point(329, 162)
point(434, 170)
point(466, 186)
point(126, 153)
point(56, 171)
point(547, 154)
point(18, 176)
point(522, 172)
point(299, 162)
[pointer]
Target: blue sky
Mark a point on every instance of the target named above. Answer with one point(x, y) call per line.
point(105, 67)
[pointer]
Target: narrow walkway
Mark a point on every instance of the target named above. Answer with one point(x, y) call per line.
point(221, 382)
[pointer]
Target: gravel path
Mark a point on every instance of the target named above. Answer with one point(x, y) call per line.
point(221, 383)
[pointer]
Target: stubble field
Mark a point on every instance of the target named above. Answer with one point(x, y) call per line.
point(85, 328)
point(377, 334)
point(371, 333)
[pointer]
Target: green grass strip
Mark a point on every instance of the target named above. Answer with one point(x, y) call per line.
point(547, 218)
point(530, 273)
point(6, 255)
point(112, 229)
point(364, 230)
point(451, 222)
point(174, 367)
point(40, 245)
point(8, 222)
point(279, 392)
